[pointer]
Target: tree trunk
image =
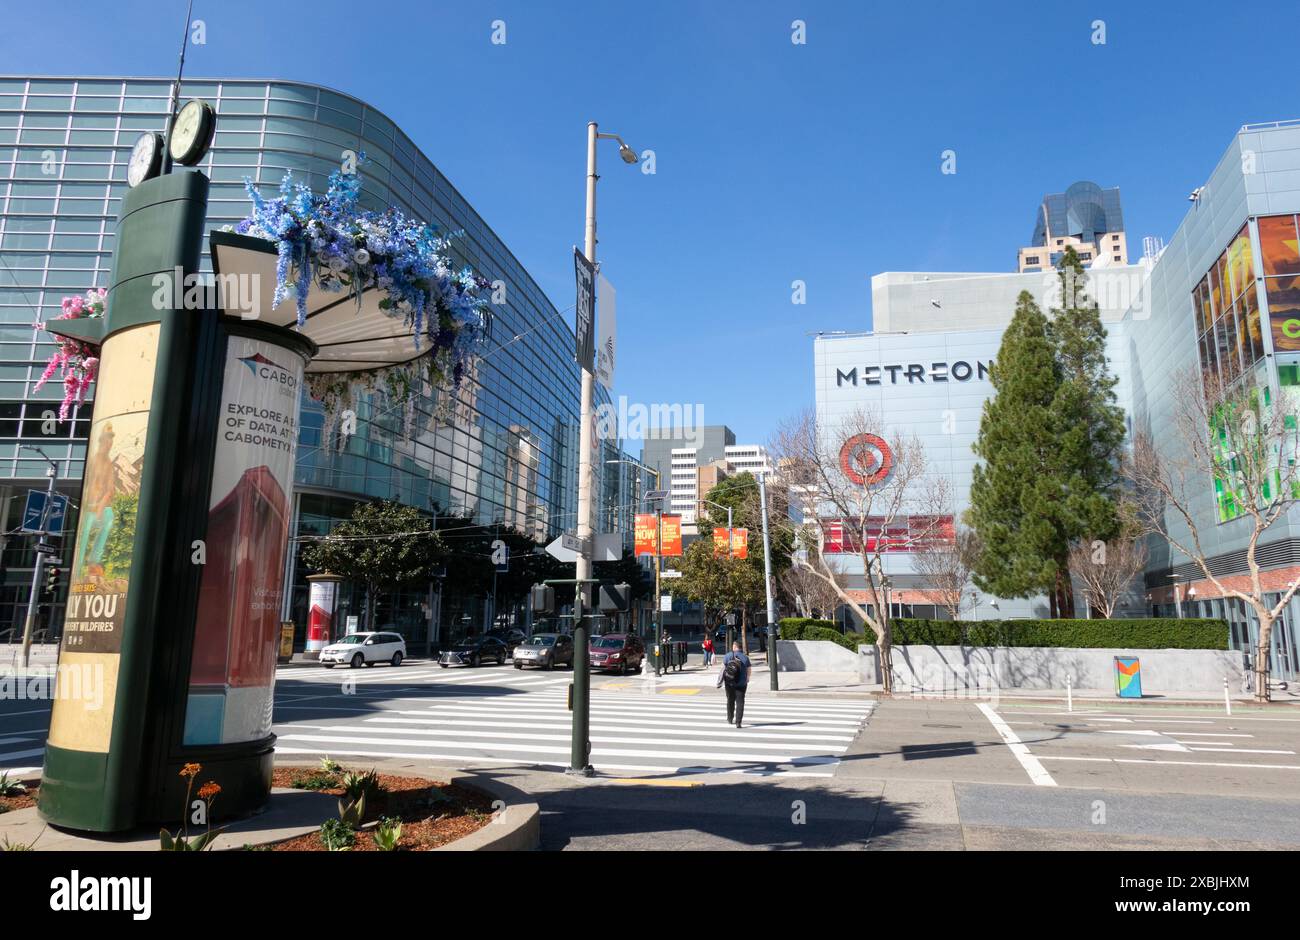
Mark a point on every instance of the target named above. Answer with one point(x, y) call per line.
point(885, 654)
point(1262, 693)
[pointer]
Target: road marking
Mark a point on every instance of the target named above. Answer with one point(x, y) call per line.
point(30, 752)
point(1186, 763)
point(649, 782)
point(1037, 773)
point(681, 692)
point(1241, 750)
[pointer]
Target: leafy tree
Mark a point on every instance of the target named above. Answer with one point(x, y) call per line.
point(719, 583)
point(384, 545)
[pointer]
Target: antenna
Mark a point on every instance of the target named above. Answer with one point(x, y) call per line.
point(175, 93)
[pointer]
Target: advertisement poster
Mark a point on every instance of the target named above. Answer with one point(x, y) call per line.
point(105, 541)
point(237, 628)
point(740, 543)
point(606, 332)
point(644, 528)
point(670, 541)
point(323, 595)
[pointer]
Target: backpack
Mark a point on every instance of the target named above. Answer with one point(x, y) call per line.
point(733, 671)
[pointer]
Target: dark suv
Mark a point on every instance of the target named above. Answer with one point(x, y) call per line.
point(618, 652)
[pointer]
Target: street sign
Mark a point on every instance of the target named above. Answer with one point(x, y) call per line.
point(585, 311)
point(609, 546)
point(665, 603)
point(670, 573)
point(561, 552)
point(656, 494)
point(36, 504)
point(571, 541)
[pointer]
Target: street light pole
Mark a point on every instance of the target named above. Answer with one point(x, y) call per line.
point(582, 567)
point(773, 684)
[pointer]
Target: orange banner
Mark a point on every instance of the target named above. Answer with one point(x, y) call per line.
point(720, 546)
point(644, 529)
point(740, 543)
point(671, 537)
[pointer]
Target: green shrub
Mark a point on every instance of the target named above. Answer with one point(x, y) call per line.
point(1146, 633)
point(337, 835)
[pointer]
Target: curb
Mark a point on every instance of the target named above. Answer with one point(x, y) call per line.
point(516, 828)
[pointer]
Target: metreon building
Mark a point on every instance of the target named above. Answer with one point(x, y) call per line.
point(1223, 295)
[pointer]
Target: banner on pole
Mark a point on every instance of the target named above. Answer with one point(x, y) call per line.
point(585, 311)
point(606, 332)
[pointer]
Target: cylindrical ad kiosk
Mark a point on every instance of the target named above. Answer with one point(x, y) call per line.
point(237, 626)
point(323, 599)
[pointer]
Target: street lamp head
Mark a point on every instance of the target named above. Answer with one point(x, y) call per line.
point(626, 152)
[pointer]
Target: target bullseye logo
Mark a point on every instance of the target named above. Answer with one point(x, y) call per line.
point(866, 459)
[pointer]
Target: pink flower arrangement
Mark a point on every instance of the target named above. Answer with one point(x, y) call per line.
point(78, 362)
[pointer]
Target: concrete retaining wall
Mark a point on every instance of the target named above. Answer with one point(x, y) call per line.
point(814, 656)
point(936, 668)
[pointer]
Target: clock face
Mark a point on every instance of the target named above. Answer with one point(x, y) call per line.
point(191, 133)
point(145, 158)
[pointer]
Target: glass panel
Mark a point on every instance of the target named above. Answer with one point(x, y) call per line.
point(1280, 247)
point(1216, 295)
point(1283, 294)
point(1254, 328)
point(1241, 269)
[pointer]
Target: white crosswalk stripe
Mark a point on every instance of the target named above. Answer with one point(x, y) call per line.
point(629, 730)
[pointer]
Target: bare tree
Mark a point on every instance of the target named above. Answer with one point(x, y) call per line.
point(946, 563)
point(1230, 438)
point(873, 495)
point(1108, 567)
point(809, 592)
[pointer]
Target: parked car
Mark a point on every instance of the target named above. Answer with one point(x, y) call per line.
point(621, 652)
point(369, 648)
point(473, 651)
point(546, 650)
point(511, 638)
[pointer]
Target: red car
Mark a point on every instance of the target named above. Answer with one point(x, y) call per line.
point(617, 652)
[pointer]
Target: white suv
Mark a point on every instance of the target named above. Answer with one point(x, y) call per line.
point(369, 648)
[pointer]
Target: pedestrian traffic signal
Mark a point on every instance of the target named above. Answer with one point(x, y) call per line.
point(543, 599)
point(52, 579)
point(615, 598)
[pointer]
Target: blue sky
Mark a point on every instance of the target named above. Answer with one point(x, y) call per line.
point(775, 161)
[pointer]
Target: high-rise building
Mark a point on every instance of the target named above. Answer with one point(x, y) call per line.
point(1084, 217)
point(505, 452)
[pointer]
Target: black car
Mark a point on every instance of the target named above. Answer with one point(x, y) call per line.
point(511, 638)
point(474, 651)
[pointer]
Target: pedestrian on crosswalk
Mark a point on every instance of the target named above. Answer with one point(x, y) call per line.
point(735, 676)
point(707, 646)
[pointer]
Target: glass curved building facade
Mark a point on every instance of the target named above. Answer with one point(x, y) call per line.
point(507, 455)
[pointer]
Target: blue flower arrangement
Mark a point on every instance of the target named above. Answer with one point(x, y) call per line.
point(329, 240)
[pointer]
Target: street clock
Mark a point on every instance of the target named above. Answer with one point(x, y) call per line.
point(192, 132)
point(146, 158)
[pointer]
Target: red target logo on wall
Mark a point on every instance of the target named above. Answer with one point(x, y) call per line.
point(866, 459)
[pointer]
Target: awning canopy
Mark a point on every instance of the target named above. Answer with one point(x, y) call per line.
point(351, 338)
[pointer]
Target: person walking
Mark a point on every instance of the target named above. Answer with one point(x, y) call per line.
point(735, 676)
point(707, 646)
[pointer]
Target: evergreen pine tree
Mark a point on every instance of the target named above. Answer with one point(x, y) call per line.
point(1015, 485)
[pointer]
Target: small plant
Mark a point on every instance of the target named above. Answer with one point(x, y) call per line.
point(353, 813)
point(337, 835)
point(180, 842)
point(357, 785)
point(11, 787)
point(8, 846)
point(315, 780)
point(329, 765)
point(388, 833)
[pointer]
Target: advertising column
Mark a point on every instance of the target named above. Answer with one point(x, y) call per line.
point(237, 627)
point(323, 599)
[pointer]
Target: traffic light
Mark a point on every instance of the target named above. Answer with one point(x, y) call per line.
point(52, 578)
point(615, 598)
point(543, 599)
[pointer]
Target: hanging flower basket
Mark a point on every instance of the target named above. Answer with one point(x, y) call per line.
point(330, 243)
point(76, 361)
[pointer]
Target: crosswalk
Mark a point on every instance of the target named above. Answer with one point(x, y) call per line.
point(523, 719)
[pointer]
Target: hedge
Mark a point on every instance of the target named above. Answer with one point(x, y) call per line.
point(1148, 633)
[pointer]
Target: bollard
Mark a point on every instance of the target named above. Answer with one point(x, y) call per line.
point(1069, 693)
point(1227, 701)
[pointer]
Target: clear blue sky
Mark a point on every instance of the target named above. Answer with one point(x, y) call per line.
point(775, 161)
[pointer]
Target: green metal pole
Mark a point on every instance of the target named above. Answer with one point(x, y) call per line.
point(580, 752)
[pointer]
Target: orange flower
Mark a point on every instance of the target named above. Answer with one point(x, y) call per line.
point(209, 790)
point(191, 770)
